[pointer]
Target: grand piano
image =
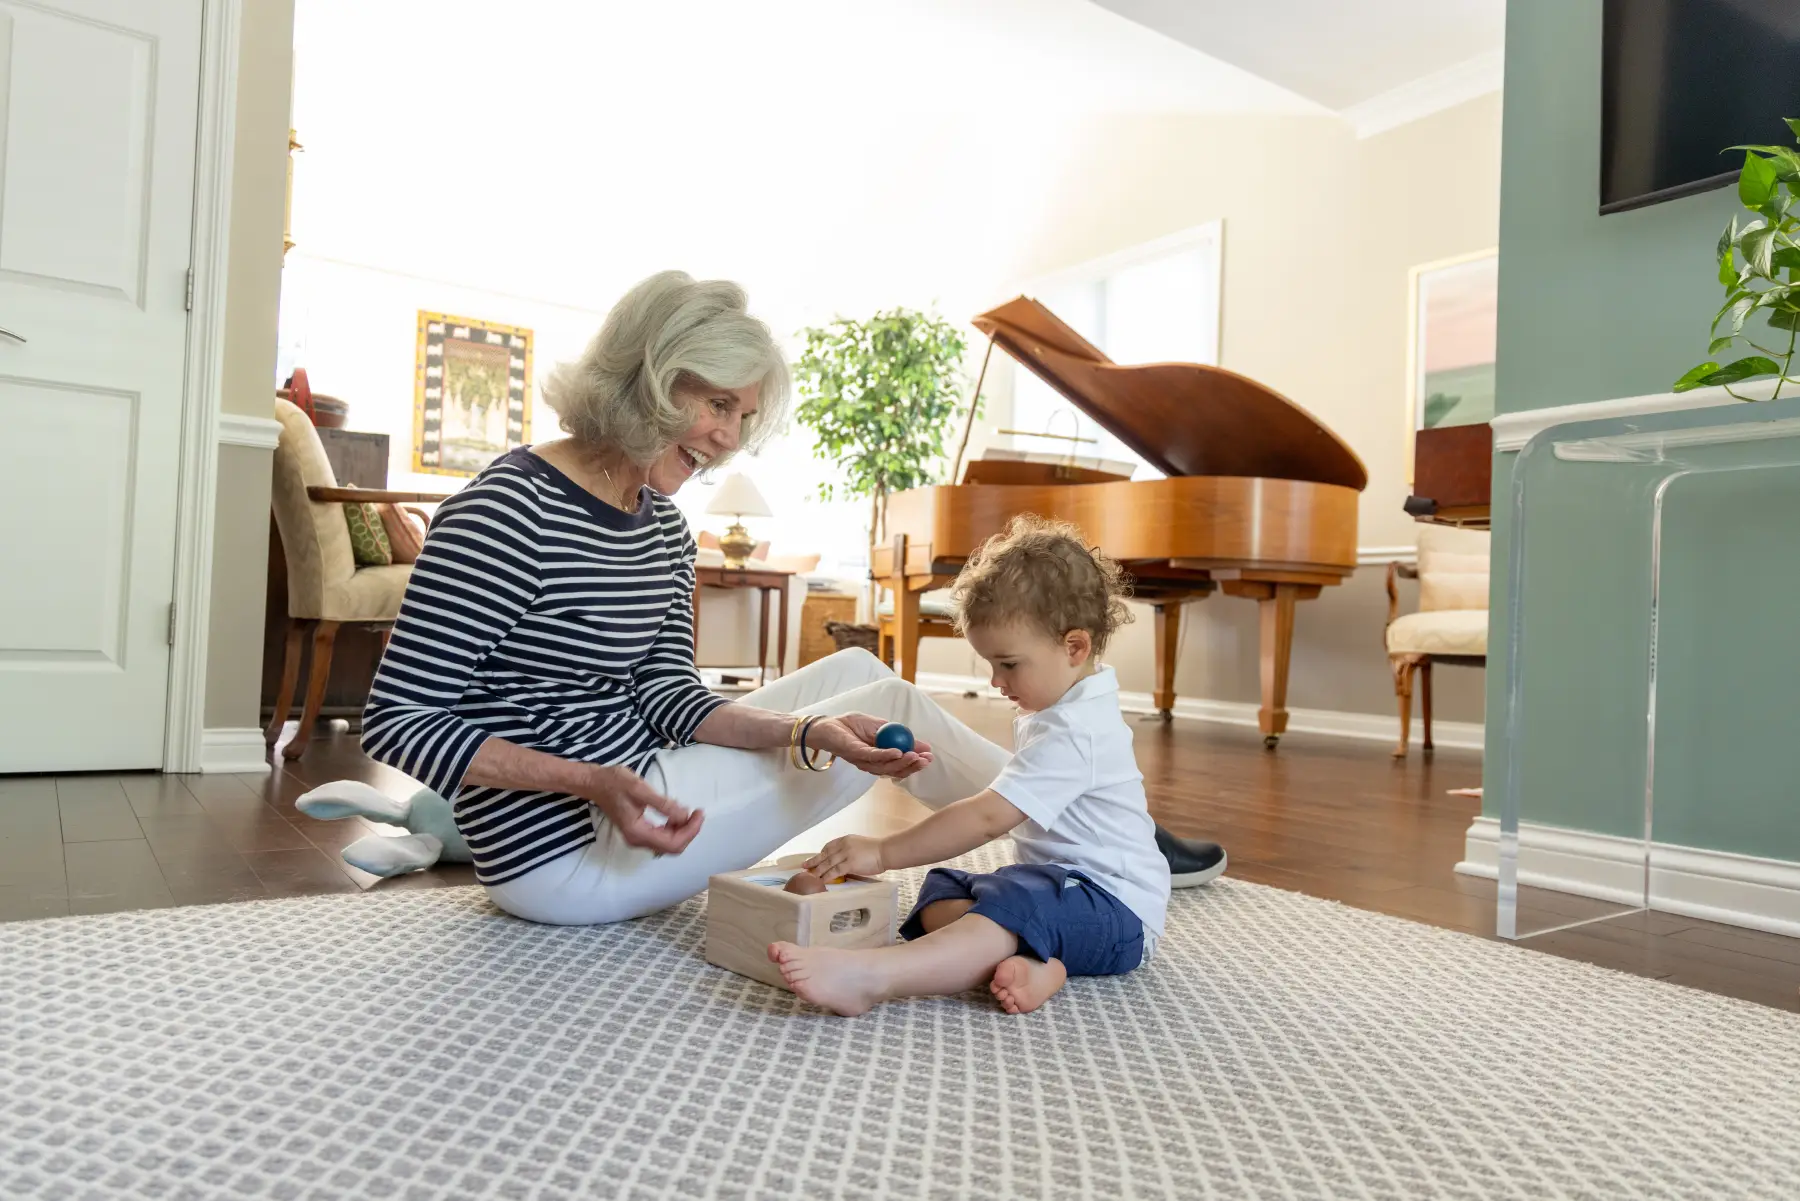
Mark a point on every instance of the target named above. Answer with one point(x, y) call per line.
point(1259, 500)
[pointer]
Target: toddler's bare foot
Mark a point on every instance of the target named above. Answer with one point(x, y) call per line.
point(845, 982)
point(1022, 984)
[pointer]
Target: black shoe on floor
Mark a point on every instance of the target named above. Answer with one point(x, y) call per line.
point(1191, 862)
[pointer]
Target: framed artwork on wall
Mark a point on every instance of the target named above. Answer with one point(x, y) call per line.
point(471, 393)
point(1453, 305)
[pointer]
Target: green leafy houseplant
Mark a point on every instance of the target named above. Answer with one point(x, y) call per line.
point(1759, 266)
point(879, 396)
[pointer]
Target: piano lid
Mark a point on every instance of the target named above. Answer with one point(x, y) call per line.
point(1182, 418)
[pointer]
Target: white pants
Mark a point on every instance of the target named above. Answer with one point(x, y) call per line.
point(754, 800)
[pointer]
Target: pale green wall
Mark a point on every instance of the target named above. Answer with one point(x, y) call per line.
point(1593, 308)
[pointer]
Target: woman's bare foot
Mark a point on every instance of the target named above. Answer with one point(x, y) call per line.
point(1022, 984)
point(845, 982)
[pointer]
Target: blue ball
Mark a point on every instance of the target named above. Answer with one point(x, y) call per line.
point(894, 737)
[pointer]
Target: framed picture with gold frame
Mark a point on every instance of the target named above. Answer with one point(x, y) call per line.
point(471, 393)
point(1453, 306)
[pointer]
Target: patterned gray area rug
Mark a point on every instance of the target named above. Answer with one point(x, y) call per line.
point(420, 1045)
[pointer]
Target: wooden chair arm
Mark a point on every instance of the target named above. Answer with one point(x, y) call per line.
point(1397, 571)
point(375, 496)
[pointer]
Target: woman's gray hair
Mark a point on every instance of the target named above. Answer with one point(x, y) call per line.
point(669, 332)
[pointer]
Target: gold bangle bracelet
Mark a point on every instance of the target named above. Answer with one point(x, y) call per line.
point(794, 744)
point(806, 759)
point(807, 753)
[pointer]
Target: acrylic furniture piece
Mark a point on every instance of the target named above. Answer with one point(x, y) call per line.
point(1652, 671)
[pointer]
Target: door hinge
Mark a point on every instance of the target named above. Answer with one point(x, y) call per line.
point(171, 623)
point(190, 290)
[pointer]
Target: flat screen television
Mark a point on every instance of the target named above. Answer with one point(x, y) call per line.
point(1681, 80)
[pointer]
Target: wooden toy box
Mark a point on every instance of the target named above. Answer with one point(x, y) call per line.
point(748, 910)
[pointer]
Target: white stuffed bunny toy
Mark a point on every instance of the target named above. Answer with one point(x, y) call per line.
point(431, 828)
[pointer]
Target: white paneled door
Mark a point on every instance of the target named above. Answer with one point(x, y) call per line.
point(97, 132)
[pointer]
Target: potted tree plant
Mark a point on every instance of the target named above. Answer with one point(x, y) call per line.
point(1759, 267)
point(880, 396)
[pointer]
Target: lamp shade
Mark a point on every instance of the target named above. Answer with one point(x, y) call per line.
point(738, 497)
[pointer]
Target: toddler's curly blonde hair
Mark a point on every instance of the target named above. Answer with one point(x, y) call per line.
point(1043, 573)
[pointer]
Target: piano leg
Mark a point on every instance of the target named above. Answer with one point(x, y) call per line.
point(1168, 643)
point(906, 620)
point(1275, 603)
point(1277, 611)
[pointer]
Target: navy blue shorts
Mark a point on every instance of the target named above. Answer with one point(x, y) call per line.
point(1056, 913)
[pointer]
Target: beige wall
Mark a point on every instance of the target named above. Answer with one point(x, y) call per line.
point(241, 520)
point(258, 204)
point(1321, 231)
point(240, 563)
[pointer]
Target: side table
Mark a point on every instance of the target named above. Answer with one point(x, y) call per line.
point(765, 581)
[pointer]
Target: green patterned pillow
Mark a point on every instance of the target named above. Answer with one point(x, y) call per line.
point(368, 537)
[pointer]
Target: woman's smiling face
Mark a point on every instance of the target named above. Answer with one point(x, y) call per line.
point(718, 428)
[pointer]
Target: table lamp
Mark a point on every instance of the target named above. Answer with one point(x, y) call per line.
point(738, 498)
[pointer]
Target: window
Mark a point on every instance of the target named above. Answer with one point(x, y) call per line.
point(1156, 303)
point(788, 476)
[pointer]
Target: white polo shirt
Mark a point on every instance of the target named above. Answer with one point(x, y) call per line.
point(1074, 777)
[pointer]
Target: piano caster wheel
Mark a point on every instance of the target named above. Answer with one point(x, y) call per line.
point(1269, 741)
point(1159, 715)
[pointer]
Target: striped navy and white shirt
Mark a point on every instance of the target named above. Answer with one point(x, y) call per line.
point(539, 614)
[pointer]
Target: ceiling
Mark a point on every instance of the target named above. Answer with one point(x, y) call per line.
point(809, 57)
point(569, 148)
point(729, 136)
point(1339, 53)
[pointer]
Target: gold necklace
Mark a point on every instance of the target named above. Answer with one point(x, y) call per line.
point(622, 505)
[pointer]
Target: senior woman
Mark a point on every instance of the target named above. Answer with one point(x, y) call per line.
point(541, 673)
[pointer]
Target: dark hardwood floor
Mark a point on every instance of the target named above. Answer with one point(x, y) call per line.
point(1332, 818)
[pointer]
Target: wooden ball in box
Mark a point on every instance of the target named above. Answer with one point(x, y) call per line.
point(748, 910)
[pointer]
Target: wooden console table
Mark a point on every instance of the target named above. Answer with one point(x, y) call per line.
point(764, 581)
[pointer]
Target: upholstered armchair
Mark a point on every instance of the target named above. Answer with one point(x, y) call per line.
point(1452, 621)
point(327, 589)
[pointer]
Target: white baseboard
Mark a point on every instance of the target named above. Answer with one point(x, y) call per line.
point(1369, 727)
point(239, 752)
point(1717, 886)
point(1338, 723)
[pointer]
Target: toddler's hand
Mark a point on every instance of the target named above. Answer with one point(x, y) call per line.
point(853, 855)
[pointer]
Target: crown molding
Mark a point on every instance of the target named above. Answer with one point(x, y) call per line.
point(1454, 85)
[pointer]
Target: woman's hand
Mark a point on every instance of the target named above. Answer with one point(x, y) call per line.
point(853, 855)
point(626, 800)
point(851, 738)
